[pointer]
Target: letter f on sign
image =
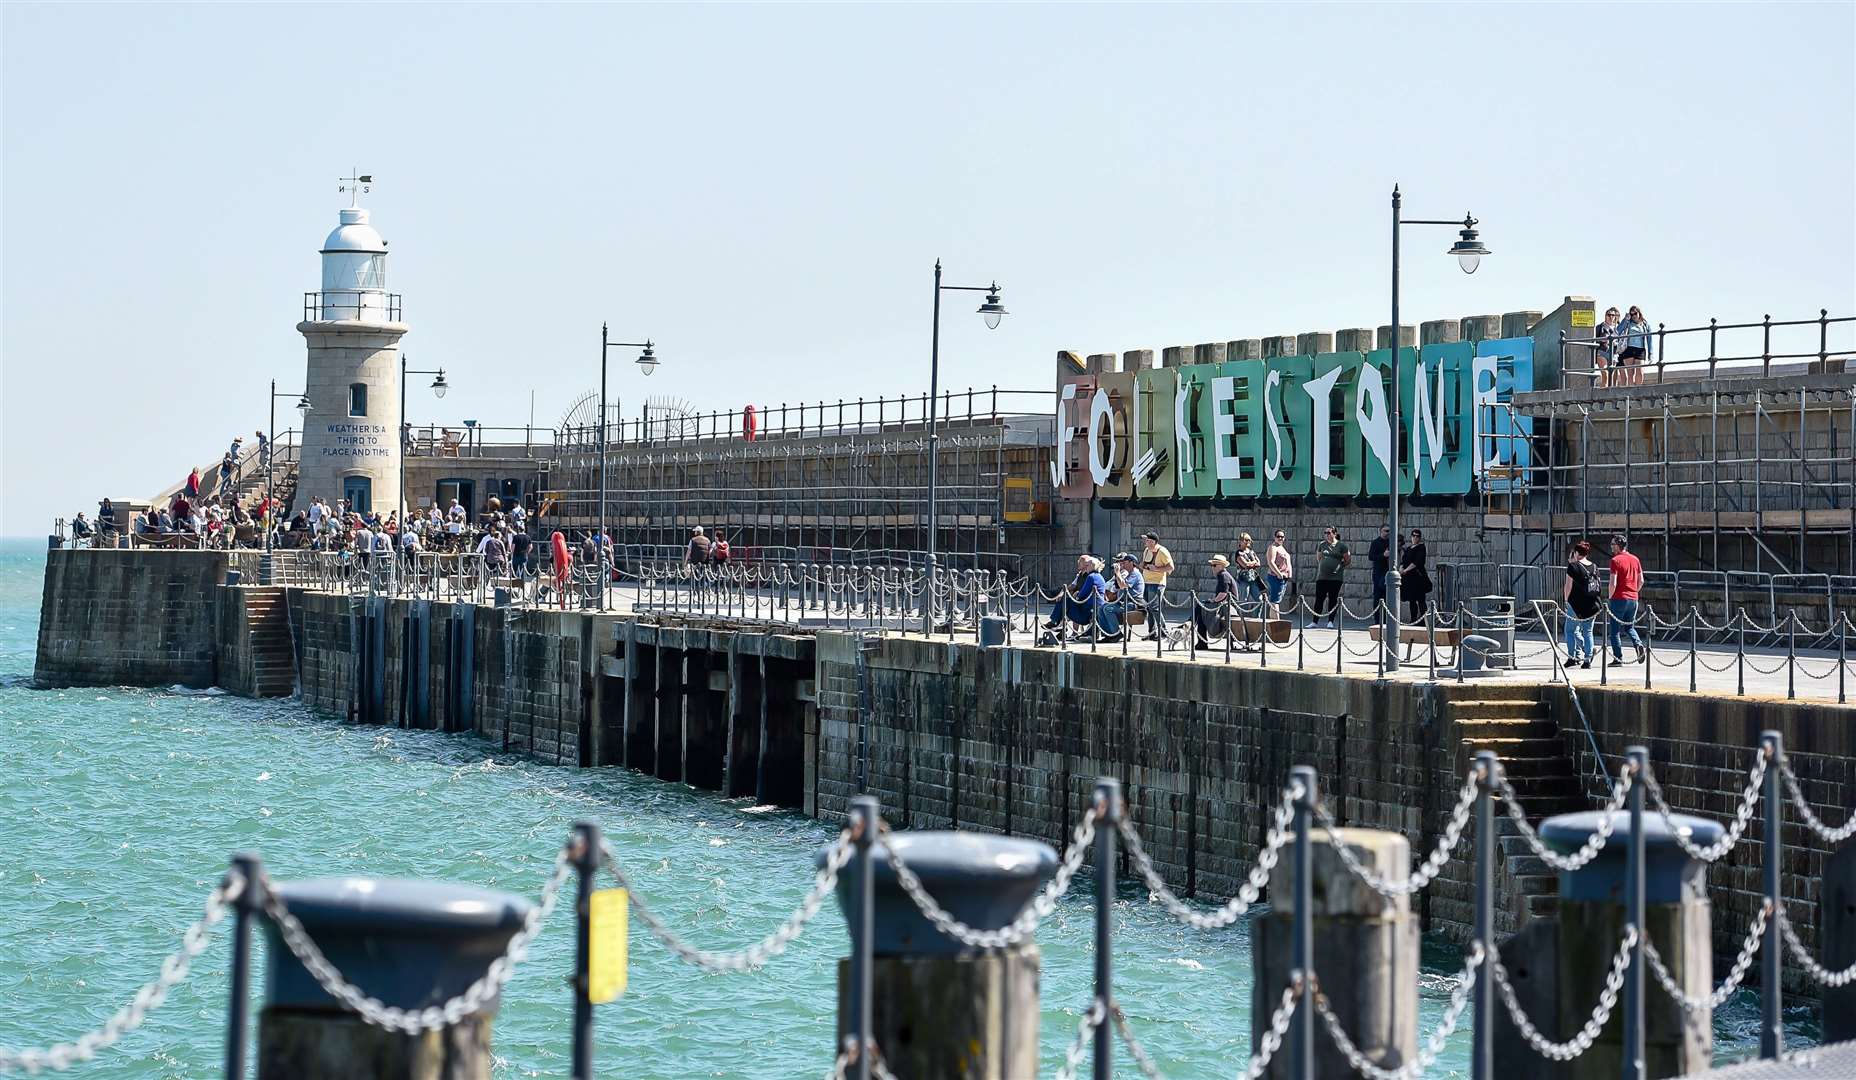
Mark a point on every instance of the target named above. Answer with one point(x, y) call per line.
point(1060, 464)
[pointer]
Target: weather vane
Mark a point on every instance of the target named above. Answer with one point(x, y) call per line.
point(356, 185)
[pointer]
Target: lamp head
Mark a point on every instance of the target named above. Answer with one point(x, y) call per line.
point(302, 405)
point(439, 385)
point(1468, 249)
point(992, 309)
point(647, 360)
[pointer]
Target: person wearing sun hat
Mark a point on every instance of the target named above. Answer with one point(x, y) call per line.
point(1210, 623)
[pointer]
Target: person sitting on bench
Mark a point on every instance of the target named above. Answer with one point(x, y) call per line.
point(1127, 595)
point(1084, 596)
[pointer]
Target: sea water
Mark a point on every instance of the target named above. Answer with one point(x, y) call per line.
point(120, 807)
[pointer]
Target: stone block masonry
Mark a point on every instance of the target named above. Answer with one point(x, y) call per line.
point(129, 618)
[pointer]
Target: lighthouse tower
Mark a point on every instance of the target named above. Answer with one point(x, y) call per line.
point(351, 443)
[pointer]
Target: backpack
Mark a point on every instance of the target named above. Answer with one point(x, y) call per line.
point(718, 551)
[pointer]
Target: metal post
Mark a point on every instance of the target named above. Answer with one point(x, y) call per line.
point(1791, 655)
point(245, 907)
point(264, 565)
point(1633, 916)
point(1771, 1027)
point(1482, 1051)
point(1694, 645)
point(1302, 934)
point(1389, 635)
point(1740, 656)
point(600, 544)
point(934, 436)
point(1108, 807)
point(586, 857)
point(1649, 641)
point(866, 814)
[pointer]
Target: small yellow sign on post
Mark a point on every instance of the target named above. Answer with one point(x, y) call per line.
point(1584, 317)
point(608, 918)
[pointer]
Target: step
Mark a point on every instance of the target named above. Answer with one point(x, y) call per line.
point(1509, 709)
point(1535, 767)
point(1536, 884)
point(1498, 692)
point(1529, 865)
point(1506, 748)
point(1516, 728)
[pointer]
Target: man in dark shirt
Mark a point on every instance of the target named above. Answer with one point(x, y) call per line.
point(518, 544)
point(1380, 555)
point(1224, 596)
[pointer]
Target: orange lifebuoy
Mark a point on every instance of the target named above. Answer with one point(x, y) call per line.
point(748, 423)
point(563, 559)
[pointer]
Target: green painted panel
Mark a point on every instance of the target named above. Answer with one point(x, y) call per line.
point(1287, 419)
point(1192, 460)
point(1440, 443)
point(1337, 439)
point(1369, 398)
point(1153, 422)
point(1237, 449)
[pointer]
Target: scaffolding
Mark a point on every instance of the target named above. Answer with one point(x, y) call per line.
point(827, 482)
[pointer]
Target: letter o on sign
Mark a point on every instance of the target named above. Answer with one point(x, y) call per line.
point(1102, 452)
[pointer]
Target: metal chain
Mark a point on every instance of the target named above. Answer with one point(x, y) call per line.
point(435, 1017)
point(1135, 1050)
point(1580, 1043)
point(1748, 799)
point(1019, 929)
point(1607, 820)
point(1835, 836)
point(1726, 990)
point(1433, 863)
point(761, 951)
point(1279, 1027)
point(1073, 1057)
point(1808, 962)
point(147, 999)
point(1247, 895)
point(1434, 1046)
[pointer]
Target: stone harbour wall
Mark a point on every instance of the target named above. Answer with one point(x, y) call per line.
point(129, 618)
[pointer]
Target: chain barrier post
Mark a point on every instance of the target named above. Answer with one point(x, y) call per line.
point(1482, 1052)
point(586, 856)
point(1843, 639)
point(1604, 647)
point(1771, 1026)
point(1462, 631)
point(1740, 657)
point(1108, 805)
point(1302, 941)
point(1694, 647)
point(1791, 656)
point(247, 904)
point(1633, 1068)
point(866, 816)
point(1649, 642)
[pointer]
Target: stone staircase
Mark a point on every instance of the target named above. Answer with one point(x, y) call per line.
point(1518, 726)
point(273, 656)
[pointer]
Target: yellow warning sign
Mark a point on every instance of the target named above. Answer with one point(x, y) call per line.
point(608, 915)
point(1584, 317)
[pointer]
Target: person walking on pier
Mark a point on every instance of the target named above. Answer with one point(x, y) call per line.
point(1380, 556)
point(1626, 590)
point(1581, 595)
point(1156, 564)
point(1279, 570)
point(696, 553)
point(1332, 559)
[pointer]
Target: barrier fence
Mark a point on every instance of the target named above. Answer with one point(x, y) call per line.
point(247, 892)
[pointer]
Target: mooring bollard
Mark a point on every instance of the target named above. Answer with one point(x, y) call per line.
point(1593, 905)
point(409, 944)
point(1364, 952)
point(937, 1007)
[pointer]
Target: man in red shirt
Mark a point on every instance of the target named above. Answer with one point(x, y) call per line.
point(1626, 588)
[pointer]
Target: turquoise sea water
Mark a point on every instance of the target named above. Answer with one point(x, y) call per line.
point(120, 808)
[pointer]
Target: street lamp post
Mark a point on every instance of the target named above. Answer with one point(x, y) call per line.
point(265, 571)
point(439, 386)
point(993, 311)
point(647, 363)
point(1469, 252)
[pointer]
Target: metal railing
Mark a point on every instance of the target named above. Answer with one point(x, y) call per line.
point(817, 419)
point(247, 892)
point(351, 304)
point(1748, 349)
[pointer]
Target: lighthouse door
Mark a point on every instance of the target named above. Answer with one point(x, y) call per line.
point(359, 491)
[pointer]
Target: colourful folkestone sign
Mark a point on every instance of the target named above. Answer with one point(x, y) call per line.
point(1294, 426)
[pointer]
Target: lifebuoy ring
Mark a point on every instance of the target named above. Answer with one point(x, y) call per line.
point(748, 424)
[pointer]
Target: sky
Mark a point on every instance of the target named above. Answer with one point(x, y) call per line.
point(763, 190)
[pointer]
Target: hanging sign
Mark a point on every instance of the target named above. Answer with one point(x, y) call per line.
point(608, 927)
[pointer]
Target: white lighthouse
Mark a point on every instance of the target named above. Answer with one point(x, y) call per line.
point(351, 448)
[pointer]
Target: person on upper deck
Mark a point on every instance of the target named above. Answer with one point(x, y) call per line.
point(1633, 336)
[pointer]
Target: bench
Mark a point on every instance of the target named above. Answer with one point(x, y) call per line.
point(1251, 631)
point(1418, 635)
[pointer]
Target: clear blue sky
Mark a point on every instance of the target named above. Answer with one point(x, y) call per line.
point(764, 190)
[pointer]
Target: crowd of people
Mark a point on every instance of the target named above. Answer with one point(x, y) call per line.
point(1247, 583)
point(1622, 348)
